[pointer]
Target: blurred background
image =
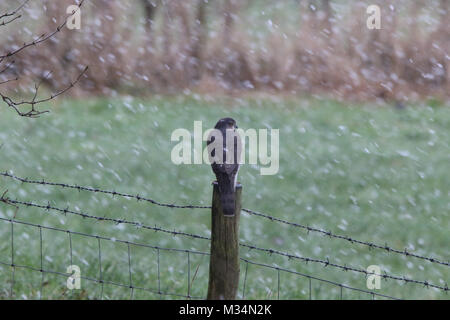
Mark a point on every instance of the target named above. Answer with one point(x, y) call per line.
point(314, 47)
point(364, 143)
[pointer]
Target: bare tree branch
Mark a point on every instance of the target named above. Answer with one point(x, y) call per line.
point(33, 112)
point(18, 106)
point(12, 14)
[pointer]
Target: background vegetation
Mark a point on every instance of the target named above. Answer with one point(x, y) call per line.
point(364, 139)
point(376, 174)
point(315, 47)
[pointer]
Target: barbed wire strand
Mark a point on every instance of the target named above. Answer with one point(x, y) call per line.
point(371, 245)
point(96, 190)
point(101, 281)
point(330, 234)
point(325, 263)
point(130, 285)
point(66, 211)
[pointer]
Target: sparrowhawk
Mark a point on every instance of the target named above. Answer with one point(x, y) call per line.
point(225, 158)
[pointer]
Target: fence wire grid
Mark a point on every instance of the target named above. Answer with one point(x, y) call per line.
point(156, 288)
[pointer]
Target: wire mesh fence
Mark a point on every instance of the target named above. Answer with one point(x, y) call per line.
point(136, 279)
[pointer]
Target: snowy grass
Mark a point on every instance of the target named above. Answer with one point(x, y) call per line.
point(374, 173)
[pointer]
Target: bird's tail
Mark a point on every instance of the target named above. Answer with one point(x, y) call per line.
point(227, 195)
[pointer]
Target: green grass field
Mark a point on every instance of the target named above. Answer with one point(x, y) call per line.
point(373, 173)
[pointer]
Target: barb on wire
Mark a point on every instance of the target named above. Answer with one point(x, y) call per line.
point(251, 212)
point(371, 245)
point(96, 190)
point(325, 263)
point(347, 238)
point(130, 243)
point(137, 244)
point(66, 211)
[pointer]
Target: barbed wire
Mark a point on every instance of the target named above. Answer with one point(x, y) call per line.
point(325, 263)
point(127, 242)
point(66, 211)
point(133, 287)
point(330, 234)
point(96, 190)
point(101, 280)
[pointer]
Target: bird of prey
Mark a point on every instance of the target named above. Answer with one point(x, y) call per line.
point(225, 157)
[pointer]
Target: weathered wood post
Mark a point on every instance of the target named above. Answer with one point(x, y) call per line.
point(224, 259)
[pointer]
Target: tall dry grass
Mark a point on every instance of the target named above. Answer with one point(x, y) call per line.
point(136, 47)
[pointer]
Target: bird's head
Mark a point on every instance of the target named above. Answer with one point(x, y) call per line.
point(226, 123)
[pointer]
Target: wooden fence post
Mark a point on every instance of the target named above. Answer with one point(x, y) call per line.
point(224, 260)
